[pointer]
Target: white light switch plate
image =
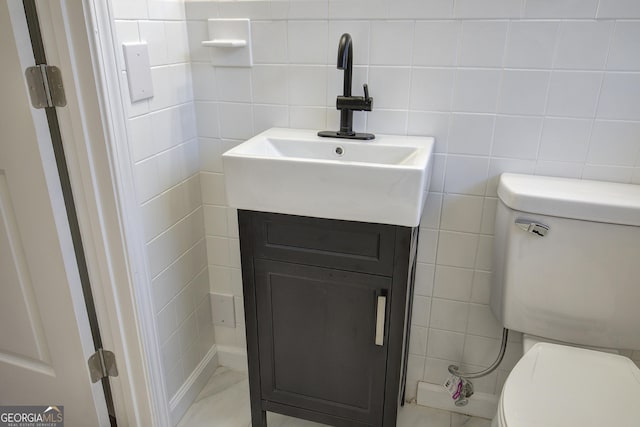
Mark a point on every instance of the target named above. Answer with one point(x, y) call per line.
point(136, 58)
point(223, 310)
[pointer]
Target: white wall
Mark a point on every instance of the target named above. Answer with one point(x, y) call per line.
point(163, 146)
point(532, 86)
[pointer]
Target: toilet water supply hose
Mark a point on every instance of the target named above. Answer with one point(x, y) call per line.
point(458, 383)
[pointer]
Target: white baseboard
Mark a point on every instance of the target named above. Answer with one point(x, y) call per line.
point(186, 395)
point(233, 357)
point(482, 405)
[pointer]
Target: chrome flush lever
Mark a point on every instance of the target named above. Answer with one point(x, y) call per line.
point(532, 227)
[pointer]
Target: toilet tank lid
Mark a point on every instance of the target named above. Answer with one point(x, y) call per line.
point(571, 198)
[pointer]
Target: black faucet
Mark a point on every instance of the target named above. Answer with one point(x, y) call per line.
point(346, 103)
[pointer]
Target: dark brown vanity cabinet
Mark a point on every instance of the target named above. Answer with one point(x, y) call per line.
point(327, 306)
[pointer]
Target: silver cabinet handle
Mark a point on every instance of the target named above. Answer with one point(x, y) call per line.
point(380, 313)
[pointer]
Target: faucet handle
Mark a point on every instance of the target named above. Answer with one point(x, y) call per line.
point(366, 91)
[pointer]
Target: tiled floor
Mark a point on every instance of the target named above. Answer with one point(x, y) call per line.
point(224, 402)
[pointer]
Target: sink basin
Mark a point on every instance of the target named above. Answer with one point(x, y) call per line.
point(296, 172)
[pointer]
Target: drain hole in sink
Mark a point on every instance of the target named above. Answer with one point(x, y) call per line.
point(339, 150)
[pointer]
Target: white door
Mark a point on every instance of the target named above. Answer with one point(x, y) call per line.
point(44, 337)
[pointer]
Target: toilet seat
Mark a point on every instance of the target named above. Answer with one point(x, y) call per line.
point(558, 386)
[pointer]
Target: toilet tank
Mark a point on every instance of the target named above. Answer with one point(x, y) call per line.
point(567, 260)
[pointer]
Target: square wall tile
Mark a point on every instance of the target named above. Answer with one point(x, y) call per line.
point(236, 120)
point(583, 44)
point(391, 42)
point(461, 213)
point(269, 83)
point(565, 140)
point(482, 322)
point(523, 92)
point(623, 53)
point(445, 344)
point(389, 86)
point(466, 175)
point(269, 42)
point(619, 97)
point(517, 137)
point(428, 52)
point(574, 94)
point(448, 315)
point(233, 84)
point(530, 44)
point(476, 90)
point(615, 143)
point(307, 42)
point(482, 43)
point(431, 88)
point(307, 85)
point(457, 249)
point(471, 134)
point(453, 283)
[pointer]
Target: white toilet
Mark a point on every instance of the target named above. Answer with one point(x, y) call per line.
point(567, 271)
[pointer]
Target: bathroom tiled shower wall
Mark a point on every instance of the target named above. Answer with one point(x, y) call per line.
point(548, 87)
point(163, 146)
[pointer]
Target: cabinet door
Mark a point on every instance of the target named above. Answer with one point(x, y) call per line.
point(317, 339)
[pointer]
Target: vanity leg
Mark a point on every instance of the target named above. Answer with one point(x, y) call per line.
point(258, 418)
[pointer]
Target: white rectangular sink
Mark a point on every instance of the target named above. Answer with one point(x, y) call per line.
point(296, 172)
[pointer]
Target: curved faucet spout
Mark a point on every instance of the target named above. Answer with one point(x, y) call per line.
point(345, 61)
point(346, 103)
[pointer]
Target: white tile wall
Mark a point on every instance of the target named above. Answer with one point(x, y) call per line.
point(530, 86)
point(162, 140)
